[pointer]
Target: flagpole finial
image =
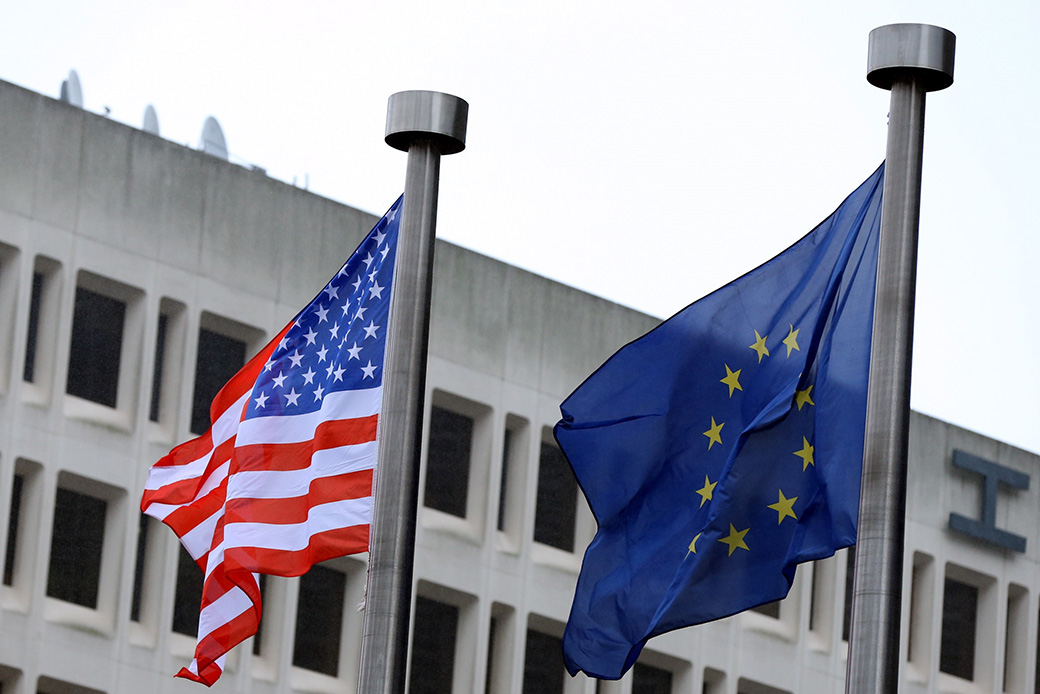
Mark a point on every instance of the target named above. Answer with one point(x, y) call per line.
point(923, 50)
point(423, 115)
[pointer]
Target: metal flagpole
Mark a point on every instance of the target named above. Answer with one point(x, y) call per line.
point(426, 125)
point(909, 60)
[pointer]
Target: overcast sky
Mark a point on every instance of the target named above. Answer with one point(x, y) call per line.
point(645, 152)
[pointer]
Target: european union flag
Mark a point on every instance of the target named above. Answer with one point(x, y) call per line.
point(725, 446)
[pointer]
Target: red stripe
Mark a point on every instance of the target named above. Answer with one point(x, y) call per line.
point(350, 485)
point(184, 519)
point(190, 450)
point(297, 456)
point(184, 491)
point(277, 562)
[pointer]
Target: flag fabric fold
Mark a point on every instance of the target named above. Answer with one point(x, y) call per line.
point(282, 480)
point(725, 446)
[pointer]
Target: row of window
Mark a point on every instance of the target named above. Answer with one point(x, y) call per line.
point(105, 334)
point(98, 351)
point(74, 575)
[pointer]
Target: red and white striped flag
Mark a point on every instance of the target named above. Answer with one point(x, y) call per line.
point(283, 478)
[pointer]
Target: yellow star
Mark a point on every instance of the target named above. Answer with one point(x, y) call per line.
point(802, 397)
point(806, 454)
point(693, 545)
point(760, 346)
point(707, 489)
point(735, 539)
point(714, 434)
point(784, 507)
point(731, 380)
point(792, 341)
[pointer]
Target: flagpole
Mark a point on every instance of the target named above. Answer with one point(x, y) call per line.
point(909, 60)
point(426, 125)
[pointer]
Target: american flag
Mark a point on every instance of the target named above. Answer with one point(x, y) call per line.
point(283, 478)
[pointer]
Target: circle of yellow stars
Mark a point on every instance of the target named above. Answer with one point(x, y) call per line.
point(784, 506)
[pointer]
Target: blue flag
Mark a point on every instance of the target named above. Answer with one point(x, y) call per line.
point(725, 446)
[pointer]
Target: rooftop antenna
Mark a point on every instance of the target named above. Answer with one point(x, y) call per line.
point(71, 91)
point(212, 141)
point(151, 120)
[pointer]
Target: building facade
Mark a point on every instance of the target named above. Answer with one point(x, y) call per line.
point(136, 275)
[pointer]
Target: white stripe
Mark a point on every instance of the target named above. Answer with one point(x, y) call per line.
point(199, 539)
point(286, 484)
point(160, 511)
point(296, 536)
point(224, 429)
point(295, 428)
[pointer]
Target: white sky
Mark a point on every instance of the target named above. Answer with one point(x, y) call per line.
point(646, 152)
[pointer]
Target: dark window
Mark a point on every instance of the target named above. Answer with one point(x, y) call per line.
point(319, 620)
point(543, 664)
point(493, 627)
point(433, 646)
point(850, 577)
point(770, 609)
point(79, 533)
point(33, 332)
point(11, 555)
point(139, 561)
point(647, 679)
point(1037, 688)
point(504, 484)
point(187, 598)
point(957, 647)
point(813, 597)
point(258, 637)
point(157, 368)
point(96, 347)
point(219, 358)
point(447, 461)
point(557, 499)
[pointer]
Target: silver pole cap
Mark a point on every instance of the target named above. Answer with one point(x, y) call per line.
point(422, 115)
point(899, 50)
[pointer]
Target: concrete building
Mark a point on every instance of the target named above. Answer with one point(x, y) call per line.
point(134, 273)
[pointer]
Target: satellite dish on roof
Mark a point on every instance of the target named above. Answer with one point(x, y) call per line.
point(212, 141)
point(71, 91)
point(151, 120)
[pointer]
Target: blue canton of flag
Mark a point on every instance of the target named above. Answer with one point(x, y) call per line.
point(725, 446)
point(337, 342)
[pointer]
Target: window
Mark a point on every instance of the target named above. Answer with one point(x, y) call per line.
point(500, 648)
point(511, 484)
point(8, 296)
point(219, 358)
point(850, 577)
point(104, 346)
point(42, 328)
point(319, 620)
point(919, 617)
point(77, 540)
point(543, 664)
point(166, 366)
point(647, 679)
point(11, 553)
point(157, 368)
point(23, 521)
point(47, 685)
point(714, 681)
point(770, 609)
point(222, 349)
point(187, 597)
point(745, 686)
point(33, 330)
point(448, 461)
point(434, 635)
point(258, 637)
point(139, 563)
point(1015, 638)
point(957, 645)
point(557, 501)
point(96, 348)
